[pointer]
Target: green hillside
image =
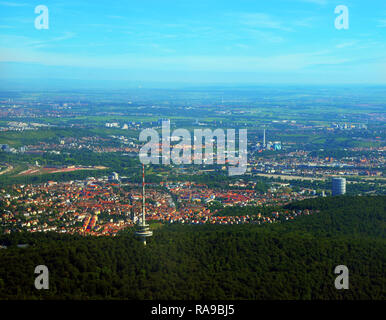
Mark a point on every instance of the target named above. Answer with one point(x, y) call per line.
point(290, 260)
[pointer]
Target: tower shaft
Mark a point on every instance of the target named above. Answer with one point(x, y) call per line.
point(264, 138)
point(143, 230)
point(143, 195)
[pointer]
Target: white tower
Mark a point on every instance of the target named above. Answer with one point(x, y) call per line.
point(338, 186)
point(264, 139)
point(143, 230)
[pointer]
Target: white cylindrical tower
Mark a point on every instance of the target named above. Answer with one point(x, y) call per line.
point(338, 186)
point(264, 139)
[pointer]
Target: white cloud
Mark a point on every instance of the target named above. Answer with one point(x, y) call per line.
point(12, 4)
point(261, 20)
point(381, 23)
point(278, 63)
point(305, 22)
point(346, 44)
point(116, 17)
point(44, 43)
point(320, 2)
point(242, 46)
point(265, 36)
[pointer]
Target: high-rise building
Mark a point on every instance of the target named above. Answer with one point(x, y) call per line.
point(114, 177)
point(264, 139)
point(277, 145)
point(338, 186)
point(163, 120)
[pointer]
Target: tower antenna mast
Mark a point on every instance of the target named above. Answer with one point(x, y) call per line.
point(143, 230)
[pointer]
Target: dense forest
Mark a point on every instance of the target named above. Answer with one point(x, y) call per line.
point(289, 260)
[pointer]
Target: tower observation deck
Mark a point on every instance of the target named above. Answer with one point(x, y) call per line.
point(143, 230)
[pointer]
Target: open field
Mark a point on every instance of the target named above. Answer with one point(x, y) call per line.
point(6, 170)
point(286, 177)
point(34, 170)
point(369, 178)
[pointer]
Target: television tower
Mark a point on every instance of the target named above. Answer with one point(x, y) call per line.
point(143, 230)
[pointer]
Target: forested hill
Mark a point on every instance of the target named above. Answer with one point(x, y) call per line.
point(354, 216)
point(289, 260)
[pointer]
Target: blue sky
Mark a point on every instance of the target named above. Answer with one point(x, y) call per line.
point(201, 42)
